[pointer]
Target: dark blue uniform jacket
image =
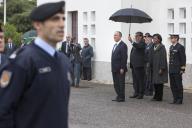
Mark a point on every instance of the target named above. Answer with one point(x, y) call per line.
point(37, 93)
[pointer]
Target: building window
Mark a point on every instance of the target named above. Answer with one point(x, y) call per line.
point(93, 31)
point(93, 17)
point(182, 28)
point(182, 13)
point(85, 30)
point(170, 13)
point(170, 27)
point(85, 17)
point(89, 26)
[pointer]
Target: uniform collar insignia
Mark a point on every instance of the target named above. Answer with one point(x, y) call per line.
point(175, 50)
point(44, 70)
point(13, 56)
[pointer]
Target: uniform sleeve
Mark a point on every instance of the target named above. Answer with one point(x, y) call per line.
point(182, 56)
point(11, 94)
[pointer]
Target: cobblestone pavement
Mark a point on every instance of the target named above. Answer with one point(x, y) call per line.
point(91, 107)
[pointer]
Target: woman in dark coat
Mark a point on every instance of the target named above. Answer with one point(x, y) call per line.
point(159, 67)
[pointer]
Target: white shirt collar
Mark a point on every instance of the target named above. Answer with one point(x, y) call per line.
point(45, 46)
point(118, 42)
point(175, 44)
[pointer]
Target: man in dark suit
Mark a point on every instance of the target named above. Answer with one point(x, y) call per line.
point(119, 66)
point(177, 63)
point(10, 47)
point(137, 62)
point(87, 54)
point(65, 47)
point(148, 68)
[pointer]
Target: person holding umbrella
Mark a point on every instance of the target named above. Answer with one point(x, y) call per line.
point(137, 62)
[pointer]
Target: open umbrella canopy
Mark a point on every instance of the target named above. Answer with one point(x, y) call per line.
point(130, 15)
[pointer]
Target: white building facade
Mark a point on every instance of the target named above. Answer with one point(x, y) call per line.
point(90, 18)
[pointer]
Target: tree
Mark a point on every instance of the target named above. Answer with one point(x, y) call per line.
point(10, 31)
point(21, 21)
point(18, 12)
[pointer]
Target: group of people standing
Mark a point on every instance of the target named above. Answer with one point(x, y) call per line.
point(148, 62)
point(79, 57)
point(6, 49)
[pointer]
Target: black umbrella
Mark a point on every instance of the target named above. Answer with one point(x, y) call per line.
point(130, 15)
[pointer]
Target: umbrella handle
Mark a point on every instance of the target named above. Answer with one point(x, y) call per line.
point(130, 29)
point(130, 25)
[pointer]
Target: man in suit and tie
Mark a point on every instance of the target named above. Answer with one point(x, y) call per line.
point(137, 62)
point(119, 66)
point(65, 47)
point(10, 47)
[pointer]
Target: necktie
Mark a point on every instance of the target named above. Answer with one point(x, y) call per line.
point(67, 48)
point(114, 47)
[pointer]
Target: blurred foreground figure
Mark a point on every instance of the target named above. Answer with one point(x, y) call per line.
point(35, 82)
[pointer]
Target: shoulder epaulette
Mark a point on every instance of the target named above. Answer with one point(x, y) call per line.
point(15, 53)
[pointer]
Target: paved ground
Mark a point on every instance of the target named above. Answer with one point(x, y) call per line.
point(91, 107)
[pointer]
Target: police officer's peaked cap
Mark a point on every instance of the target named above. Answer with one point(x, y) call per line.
point(45, 11)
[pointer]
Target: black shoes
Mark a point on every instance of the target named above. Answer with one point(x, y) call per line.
point(140, 97)
point(177, 102)
point(156, 99)
point(134, 96)
point(115, 100)
point(119, 100)
point(173, 102)
point(137, 96)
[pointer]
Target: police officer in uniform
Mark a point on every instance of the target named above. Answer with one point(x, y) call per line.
point(35, 82)
point(177, 63)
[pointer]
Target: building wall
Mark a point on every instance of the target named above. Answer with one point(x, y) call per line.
point(159, 11)
point(100, 31)
point(103, 35)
